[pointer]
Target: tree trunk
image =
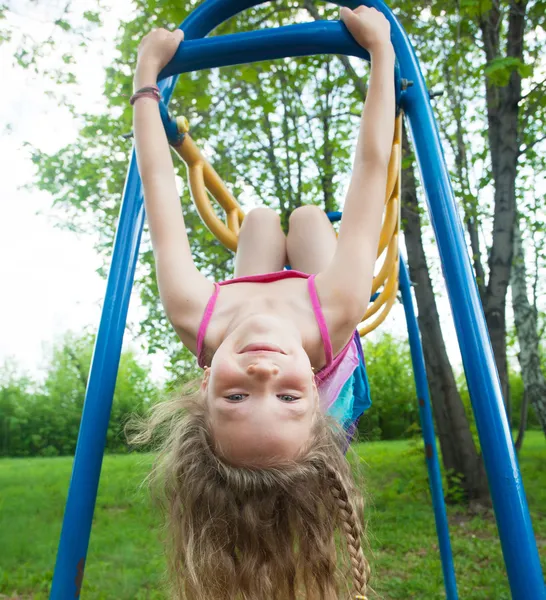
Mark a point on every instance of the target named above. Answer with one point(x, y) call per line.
point(503, 113)
point(522, 421)
point(525, 316)
point(327, 174)
point(470, 202)
point(459, 453)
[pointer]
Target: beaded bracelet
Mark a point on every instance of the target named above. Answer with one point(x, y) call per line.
point(151, 91)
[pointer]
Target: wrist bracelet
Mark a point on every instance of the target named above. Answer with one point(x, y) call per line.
point(151, 91)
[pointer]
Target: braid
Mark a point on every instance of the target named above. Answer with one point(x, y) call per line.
point(352, 529)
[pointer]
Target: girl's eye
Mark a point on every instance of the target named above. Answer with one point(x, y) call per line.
point(236, 397)
point(287, 398)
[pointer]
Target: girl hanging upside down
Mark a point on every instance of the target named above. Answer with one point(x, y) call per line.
point(254, 478)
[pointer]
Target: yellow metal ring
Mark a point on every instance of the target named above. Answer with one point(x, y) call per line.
point(365, 328)
point(390, 288)
point(390, 259)
point(388, 274)
point(204, 179)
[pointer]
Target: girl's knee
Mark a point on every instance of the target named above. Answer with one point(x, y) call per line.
point(261, 217)
point(303, 215)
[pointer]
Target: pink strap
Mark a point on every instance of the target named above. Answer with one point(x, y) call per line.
point(203, 326)
point(315, 303)
point(267, 277)
point(319, 315)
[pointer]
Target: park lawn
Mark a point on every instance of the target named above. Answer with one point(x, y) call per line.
point(125, 558)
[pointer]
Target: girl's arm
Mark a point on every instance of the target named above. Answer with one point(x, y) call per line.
point(346, 284)
point(183, 290)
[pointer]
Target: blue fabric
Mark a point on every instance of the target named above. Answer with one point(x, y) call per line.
point(342, 408)
point(354, 398)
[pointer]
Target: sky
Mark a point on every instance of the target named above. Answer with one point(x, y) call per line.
point(49, 276)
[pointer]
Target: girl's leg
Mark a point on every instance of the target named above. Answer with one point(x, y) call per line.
point(311, 241)
point(262, 244)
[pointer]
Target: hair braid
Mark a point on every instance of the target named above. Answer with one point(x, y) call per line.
point(352, 529)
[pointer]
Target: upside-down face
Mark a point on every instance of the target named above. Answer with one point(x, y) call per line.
point(261, 394)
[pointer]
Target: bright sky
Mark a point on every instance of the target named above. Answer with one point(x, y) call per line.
point(49, 276)
point(50, 284)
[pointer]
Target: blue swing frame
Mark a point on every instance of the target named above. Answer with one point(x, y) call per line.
point(508, 496)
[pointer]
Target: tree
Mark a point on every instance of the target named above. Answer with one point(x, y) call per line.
point(44, 419)
point(494, 51)
point(15, 390)
point(459, 453)
point(526, 318)
point(395, 413)
point(451, 53)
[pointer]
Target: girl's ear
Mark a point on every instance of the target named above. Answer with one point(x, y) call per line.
point(205, 382)
point(317, 396)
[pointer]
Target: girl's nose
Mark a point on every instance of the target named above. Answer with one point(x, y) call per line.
point(263, 369)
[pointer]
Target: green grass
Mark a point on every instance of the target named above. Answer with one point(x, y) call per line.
point(125, 558)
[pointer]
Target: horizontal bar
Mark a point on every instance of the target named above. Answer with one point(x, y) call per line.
point(306, 39)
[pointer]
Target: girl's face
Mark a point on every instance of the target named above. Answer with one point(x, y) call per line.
point(261, 394)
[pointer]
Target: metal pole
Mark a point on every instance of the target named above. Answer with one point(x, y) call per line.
point(427, 426)
point(512, 513)
point(82, 493)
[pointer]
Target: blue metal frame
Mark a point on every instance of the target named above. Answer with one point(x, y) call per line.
point(306, 39)
point(516, 534)
point(427, 426)
point(322, 37)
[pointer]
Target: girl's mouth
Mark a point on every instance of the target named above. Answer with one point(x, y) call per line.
point(261, 347)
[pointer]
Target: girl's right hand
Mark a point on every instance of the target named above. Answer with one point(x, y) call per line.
point(156, 50)
point(368, 26)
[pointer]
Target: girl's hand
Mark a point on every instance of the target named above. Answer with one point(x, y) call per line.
point(155, 51)
point(368, 26)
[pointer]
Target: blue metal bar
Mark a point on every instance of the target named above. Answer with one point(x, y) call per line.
point(510, 505)
point(321, 37)
point(306, 39)
point(427, 425)
point(82, 492)
point(169, 124)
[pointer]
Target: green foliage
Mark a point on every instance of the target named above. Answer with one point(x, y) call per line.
point(125, 559)
point(5, 32)
point(516, 397)
point(281, 134)
point(43, 420)
point(394, 413)
point(500, 69)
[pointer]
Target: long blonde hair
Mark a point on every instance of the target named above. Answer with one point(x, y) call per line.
point(254, 534)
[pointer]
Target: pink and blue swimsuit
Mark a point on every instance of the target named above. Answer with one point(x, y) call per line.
point(342, 382)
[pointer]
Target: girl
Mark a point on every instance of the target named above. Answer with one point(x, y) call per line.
point(254, 476)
